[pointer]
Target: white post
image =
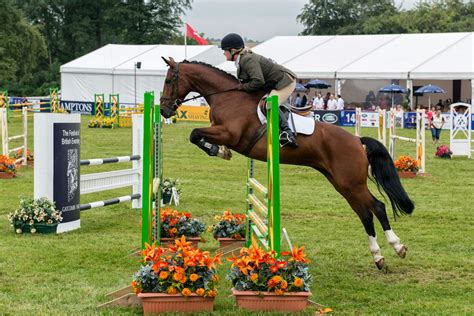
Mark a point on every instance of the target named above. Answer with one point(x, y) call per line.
point(137, 149)
point(420, 139)
point(358, 117)
point(3, 120)
point(391, 146)
point(410, 88)
point(24, 113)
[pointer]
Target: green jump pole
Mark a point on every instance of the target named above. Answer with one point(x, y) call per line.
point(273, 168)
point(147, 184)
point(157, 168)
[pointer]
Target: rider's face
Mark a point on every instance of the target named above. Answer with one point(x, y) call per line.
point(227, 55)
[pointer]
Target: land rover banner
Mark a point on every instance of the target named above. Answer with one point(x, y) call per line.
point(331, 117)
point(66, 170)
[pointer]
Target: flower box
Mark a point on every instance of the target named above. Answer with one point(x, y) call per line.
point(224, 242)
point(168, 241)
point(163, 303)
point(271, 302)
point(407, 174)
point(44, 228)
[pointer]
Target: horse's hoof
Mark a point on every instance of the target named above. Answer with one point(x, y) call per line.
point(224, 152)
point(380, 263)
point(402, 252)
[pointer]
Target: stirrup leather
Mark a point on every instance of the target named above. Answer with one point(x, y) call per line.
point(287, 140)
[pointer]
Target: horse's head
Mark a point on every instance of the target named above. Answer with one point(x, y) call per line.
point(174, 89)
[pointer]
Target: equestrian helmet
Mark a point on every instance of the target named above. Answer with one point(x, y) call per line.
point(232, 41)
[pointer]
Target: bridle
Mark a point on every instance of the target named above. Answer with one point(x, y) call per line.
point(174, 81)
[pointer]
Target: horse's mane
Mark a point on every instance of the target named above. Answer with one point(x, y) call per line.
point(228, 75)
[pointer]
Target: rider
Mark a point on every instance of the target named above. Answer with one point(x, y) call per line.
point(257, 72)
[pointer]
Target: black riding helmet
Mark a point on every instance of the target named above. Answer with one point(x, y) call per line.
point(232, 41)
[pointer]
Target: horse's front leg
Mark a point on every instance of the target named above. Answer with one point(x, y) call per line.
point(212, 140)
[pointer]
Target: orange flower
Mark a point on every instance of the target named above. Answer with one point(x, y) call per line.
point(182, 241)
point(278, 292)
point(200, 291)
point(284, 285)
point(186, 292)
point(173, 231)
point(274, 269)
point(212, 293)
point(193, 277)
point(163, 275)
point(171, 290)
point(325, 311)
point(178, 276)
point(274, 281)
point(215, 278)
point(183, 280)
point(254, 277)
point(298, 282)
point(135, 288)
point(298, 255)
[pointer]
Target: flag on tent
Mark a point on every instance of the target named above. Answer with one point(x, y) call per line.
point(190, 32)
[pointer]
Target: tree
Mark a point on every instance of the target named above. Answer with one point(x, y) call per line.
point(21, 47)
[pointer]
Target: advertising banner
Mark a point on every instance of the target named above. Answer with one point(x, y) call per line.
point(348, 118)
point(331, 117)
point(193, 113)
point(81, 107)
point(369, 119)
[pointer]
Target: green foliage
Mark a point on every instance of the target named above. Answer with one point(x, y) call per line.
point(382, 17)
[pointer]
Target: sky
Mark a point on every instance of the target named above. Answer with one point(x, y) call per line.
point(254, 19)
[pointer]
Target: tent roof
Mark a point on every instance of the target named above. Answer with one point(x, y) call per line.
point(392, 56)
point(120, 59)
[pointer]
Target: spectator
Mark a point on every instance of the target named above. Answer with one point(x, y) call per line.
point(297, 102)
point(436, 125)
point(429, 116)
point(326, 99)
point(304, 100)
point(398, 116)
point(332, 103)
point(318, 103)
point(370, 100)
point(340, 103)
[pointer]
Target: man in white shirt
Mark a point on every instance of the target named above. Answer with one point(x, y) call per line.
point(340, 103)
point(318, 102)
point(332, 103)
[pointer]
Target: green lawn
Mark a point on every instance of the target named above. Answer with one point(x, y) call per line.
point(70, 273)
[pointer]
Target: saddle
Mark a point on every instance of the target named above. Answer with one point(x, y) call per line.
point(303, 111)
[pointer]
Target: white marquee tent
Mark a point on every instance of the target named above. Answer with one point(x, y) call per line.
point(111, 69)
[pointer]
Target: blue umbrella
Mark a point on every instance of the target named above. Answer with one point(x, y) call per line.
point(318, 84)
point(300, 88)
point(430, 89)
point(392, 88)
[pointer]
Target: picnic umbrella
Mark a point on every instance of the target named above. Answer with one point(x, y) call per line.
point(430, 89)
point(318, 84)
point(300, 88)
point(392, 88)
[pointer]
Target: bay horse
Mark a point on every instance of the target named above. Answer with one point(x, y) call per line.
point(341, 157)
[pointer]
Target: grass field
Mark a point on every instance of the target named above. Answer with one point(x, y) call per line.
point(70, 273)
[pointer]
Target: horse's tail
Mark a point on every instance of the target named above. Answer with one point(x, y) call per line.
point(385, 175)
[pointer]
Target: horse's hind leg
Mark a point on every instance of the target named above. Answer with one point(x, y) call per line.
point(393, 240)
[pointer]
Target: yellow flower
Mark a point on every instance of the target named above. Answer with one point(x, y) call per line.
point(186, 292)
point(163, 275)
point(298, 282)
point(171, 290)
point(200, 291)
point(193, 277)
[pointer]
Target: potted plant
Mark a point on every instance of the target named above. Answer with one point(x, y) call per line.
point(8, 167)
point(229, 229)
point(443, 151)
point(94, 123)
point(35, 215)
point(174, 224)
point(169, 188)
point(176, 279)
point(107, 123)
point(264, 282)
point(406, 166)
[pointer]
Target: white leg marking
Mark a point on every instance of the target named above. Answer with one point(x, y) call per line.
point(374, 248)
point(393, 240)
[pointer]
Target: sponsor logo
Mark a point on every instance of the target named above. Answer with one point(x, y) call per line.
point(78, 107)
point(330, 118)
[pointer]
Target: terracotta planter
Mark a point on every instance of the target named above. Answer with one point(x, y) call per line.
point(406, 174)
point(30, 163)
point(167, 241)
point(267, 301)
point(231, 241)
point(6, 175)
point(162, 303)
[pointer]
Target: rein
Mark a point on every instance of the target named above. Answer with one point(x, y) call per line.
point(175, 82)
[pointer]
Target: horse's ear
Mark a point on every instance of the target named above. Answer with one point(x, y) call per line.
point(169, 62)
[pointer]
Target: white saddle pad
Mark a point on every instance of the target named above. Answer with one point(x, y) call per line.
point(303, 124)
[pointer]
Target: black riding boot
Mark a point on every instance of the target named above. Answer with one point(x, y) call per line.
point(287, 138)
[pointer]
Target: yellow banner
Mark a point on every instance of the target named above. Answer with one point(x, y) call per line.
point(193, 113)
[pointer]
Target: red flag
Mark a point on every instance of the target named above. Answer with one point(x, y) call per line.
point(190, 32)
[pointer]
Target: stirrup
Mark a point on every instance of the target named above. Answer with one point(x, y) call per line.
point(287, 139)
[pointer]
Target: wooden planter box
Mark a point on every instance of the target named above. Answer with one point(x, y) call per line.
point(165, 241)
point(162, 303)
point(270, 302)
point(6, 175)
point(407, 174)
point(224, 242)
